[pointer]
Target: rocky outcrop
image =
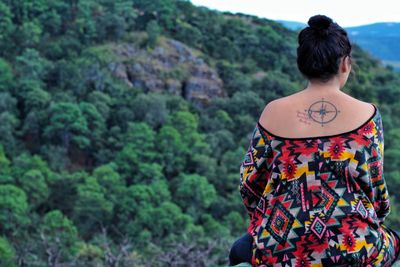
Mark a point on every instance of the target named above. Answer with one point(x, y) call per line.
point(171, 67)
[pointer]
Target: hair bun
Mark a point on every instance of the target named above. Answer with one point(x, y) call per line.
point(320, 22)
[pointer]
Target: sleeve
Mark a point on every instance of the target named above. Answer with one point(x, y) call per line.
point(378, 194)
point(254, 170)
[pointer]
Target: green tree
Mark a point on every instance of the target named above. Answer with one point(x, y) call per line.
point(220, 141)
point(235, 221)
point(8, 103)
point(7, 253)
point(227, 49)
point(59, 238)
point(26, 162)
point(6, 75)
point(128, 161)
point(64, 191)
point(172, 150)
point(96, 125)
point(92, 208)
point(30, 65)
point(187, 125)
point(150, 108)
point(168, 215)
point(5, 168)
point(90, 255)
point(36, 99)
point(36, 103)
point(51, 20)
point(148, 173)
point(194, 193)
point(212, 227)
point(102, 102)
point(139, 201)
point(8, 131)
point(13, 209)
point(109, 179)
point(141, 136)
point(29, 34)
point(34, 184)
point(117, 17)
point(6, 30)
point(164, 11)
point(153, 31)
point(67, 125)
point(188, 34)
point(132, 200)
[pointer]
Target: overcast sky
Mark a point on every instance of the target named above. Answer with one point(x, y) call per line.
point(345, 12)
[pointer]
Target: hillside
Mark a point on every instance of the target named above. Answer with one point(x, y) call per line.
point(124, 123)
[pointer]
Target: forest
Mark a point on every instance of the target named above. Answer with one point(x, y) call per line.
point(124, 123)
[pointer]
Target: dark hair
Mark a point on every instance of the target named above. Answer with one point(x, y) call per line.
point(321, 45)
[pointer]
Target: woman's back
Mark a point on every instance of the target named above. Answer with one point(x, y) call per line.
point(315, 113)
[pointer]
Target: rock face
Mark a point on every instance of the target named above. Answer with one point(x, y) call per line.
point(171, 67)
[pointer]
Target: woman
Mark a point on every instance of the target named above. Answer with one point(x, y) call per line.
point(312, 179)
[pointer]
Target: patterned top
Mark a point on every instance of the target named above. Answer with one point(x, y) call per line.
point(318, 201)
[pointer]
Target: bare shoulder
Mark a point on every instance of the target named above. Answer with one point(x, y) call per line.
point(364, 109)
point(269, 109)
point(273, 110)
point(284, 104)
point(287, 116)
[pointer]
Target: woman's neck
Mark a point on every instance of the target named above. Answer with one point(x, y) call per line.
point(332, 85)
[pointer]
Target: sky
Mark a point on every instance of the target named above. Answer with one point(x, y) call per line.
point(346, 13)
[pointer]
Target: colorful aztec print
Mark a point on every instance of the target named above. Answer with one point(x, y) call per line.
point(318, 201)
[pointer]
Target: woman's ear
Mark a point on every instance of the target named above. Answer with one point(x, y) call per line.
point(345, 68)
point(345, 64)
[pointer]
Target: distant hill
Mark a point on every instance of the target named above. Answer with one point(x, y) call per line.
point(293, 25)
point(379, 39)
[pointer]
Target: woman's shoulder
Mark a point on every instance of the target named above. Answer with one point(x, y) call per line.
point(290, 115)
point(283, 102)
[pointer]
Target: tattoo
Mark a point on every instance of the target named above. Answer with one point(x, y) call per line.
point(303, 117)
point(322, 112)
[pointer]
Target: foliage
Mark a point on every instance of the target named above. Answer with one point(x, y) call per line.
point(7, 253)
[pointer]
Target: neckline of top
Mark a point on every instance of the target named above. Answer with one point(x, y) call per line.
point(322, 136)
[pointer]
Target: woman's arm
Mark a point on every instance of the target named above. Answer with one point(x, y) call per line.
point(373, 182)
point(380, 193)
point(254, 171)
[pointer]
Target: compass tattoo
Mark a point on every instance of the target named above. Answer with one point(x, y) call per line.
point(322, 112)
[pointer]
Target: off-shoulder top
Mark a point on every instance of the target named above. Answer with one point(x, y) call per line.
point(318, 201)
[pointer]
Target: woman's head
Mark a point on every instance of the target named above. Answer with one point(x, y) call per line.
point(322, 47)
